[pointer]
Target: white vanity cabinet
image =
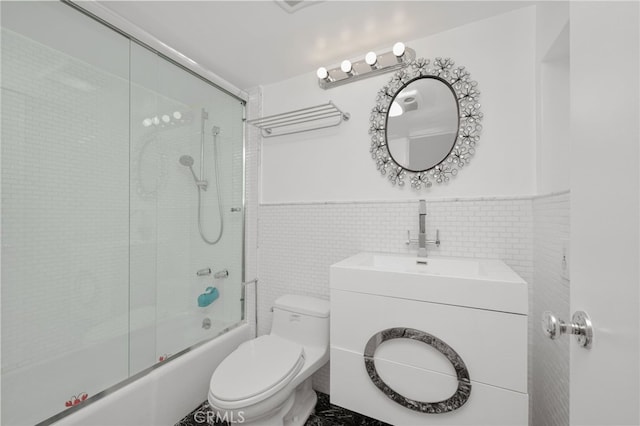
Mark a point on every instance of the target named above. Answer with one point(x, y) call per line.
point(438, 344)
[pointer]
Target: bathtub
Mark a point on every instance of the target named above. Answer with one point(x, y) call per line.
point(161, 393)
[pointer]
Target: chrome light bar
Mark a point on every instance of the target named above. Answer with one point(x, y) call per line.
point(371, 65)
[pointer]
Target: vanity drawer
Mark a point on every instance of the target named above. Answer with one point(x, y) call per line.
point(493, 345)
point(352, 388)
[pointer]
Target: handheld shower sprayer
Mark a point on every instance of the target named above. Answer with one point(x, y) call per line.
point(187, 161)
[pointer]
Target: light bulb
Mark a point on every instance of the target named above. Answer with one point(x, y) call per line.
point(371, 58)
point(398, 49)
point(322, 73)
point(156, 120)
point(146, 122)
point(166, 118)
point(177, 115)
point(346, 66)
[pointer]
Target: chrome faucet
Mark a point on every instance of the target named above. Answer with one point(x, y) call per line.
point(422, 229)
point(422, 232)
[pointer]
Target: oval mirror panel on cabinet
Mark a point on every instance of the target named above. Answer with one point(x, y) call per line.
point(422, 124)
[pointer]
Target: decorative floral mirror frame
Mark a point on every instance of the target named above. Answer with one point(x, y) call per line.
point(467, 95)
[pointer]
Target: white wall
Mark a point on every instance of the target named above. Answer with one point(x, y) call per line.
point(335, 164)
point(301, 235)
point(605, 206)
point(552, 97)
point(252, 170)
point(553, 154)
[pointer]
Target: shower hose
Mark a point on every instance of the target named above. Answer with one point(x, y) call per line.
point(215, 164)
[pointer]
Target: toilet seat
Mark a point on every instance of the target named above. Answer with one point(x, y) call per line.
point(256, 370)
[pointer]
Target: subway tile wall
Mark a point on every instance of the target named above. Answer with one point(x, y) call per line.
point(252, 159)
point(550, 358)
point(65, 202)
point(298, 242)
point(99, 218)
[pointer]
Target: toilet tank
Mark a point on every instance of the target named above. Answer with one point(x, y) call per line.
point(302, 319)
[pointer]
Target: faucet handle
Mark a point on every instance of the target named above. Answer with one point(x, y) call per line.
point(410, 240)
point(221, 274)
point(203, 272)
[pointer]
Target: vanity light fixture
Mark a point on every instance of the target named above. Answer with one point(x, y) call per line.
point(323, 74)
point(399, 49)
point(372, 60)
point(372, 64)
point(347, 68)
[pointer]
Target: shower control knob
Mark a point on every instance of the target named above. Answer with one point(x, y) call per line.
point(580, 326)
point(203, 272)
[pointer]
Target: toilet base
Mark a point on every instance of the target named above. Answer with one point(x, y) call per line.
point(293, 412)
point(303, 406)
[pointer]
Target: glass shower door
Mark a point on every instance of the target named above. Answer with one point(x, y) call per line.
point(65, 209)
point(101, 241)
point(186, 218)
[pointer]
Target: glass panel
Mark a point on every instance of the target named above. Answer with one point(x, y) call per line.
point(65, 209)
point(101, 239)
point(176, 119)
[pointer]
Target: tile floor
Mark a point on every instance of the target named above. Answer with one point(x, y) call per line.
point(326, 414)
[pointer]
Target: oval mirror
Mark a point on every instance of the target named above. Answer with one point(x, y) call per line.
point(422, 124)
point(426, 123)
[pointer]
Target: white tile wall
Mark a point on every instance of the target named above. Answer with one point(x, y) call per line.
point(298, 242)
point(252, 159)
point(98, 216)
point(164, 222)
point(65, 210)
point(550, 379)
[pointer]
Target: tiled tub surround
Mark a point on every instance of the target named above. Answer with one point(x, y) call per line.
point(252, 158)
point(299, 241)
point(550, 358)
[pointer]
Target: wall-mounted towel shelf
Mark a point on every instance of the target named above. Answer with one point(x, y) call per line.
point(300, 120)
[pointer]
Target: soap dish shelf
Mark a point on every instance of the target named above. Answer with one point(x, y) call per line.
point(301, 120)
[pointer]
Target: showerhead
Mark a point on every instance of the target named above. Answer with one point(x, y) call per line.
point(186, 160)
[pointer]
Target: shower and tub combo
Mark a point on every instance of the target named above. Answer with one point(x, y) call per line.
point(116, 240)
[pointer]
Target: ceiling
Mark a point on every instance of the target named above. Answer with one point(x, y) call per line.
point(250, 43)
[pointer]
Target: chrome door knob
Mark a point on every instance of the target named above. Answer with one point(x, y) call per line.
point(551, 325)
point(580, 326)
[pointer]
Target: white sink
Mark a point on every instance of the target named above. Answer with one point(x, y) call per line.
point(475, 308)
point(476, 283)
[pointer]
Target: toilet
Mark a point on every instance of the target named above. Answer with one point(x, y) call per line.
point(267, 380)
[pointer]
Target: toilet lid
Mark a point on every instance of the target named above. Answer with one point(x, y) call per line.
point(260, 366)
